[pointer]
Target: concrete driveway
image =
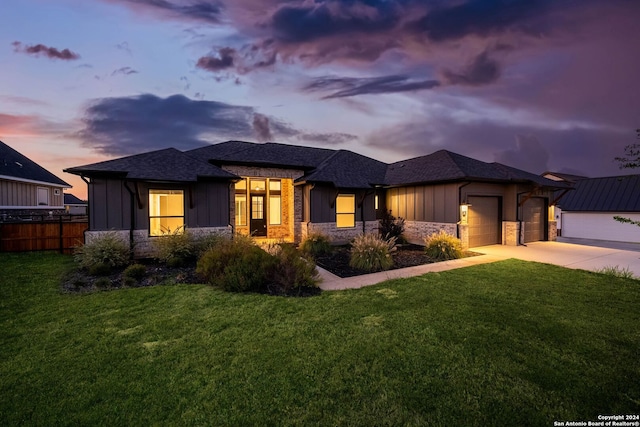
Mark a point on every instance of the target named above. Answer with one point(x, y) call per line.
point(564, 254)
point(568, 255)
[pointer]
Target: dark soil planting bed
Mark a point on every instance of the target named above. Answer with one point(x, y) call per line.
point(404, 256)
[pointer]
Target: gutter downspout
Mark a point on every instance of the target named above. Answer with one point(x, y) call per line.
point(132, 217)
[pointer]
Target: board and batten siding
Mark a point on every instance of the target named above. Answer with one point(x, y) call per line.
point(322, 207)
point(429, 203)
point(110, 204)
point(600, 226)
point(22, 194)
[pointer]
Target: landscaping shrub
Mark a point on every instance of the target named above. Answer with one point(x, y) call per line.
point(102, 283)
point(442, 246)
point(107, 248)
point(371, 252)
point(291, 271)
point(236, 265)
point(203, 242)
point(100, 269)
point(175, 248)
point(316, 244)
point(135, 272)
point(390, 226)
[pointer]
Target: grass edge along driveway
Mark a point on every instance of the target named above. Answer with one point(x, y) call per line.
point(508, 343)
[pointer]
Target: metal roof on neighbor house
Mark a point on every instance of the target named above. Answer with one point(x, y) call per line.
point(609, 194)
point(267, 154)
point(15, 165)
point(162, 165)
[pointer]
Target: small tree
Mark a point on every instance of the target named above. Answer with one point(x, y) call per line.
point(631, 160)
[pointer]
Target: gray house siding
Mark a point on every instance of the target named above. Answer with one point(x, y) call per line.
point(15, 194)
point(109, 205)
point(432, 207)
point(320, 203)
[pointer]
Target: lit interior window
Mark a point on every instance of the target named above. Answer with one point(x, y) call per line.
point(166, 211)
point(275, 209)
point(241, 209)
point(346, 210)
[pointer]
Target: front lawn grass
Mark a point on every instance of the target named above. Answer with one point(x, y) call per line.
point(509, 343)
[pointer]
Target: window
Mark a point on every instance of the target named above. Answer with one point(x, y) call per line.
point(346, 210)
point(257, 207)
point(166, 211)
point(275, 202)
point(241, 202)
point(43, 196)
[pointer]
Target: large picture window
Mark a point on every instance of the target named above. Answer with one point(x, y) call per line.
point(166, 211)
point(346, 210)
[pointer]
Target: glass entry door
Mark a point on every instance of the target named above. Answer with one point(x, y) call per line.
point(258, 219)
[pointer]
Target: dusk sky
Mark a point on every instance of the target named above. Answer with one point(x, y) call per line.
point(535, 84)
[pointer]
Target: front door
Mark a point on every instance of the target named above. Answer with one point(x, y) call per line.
point(258, 218)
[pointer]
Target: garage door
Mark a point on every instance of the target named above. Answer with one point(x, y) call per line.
point(484, 221)
point(534, 216)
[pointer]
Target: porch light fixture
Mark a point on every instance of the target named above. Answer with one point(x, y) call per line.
point(464, 213)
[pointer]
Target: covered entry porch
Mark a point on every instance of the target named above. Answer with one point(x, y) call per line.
point(264, 208)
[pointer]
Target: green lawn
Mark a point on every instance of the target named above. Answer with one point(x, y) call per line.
point(510, 343)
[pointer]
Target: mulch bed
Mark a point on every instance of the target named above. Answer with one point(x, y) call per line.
point(80, 281)
point(405, 256)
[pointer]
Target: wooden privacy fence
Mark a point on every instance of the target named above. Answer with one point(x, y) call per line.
point(61, 235)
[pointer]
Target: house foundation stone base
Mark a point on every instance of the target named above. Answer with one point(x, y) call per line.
point(143, 243)
point(338, 235)
point(553, 231)
point(416, 231)
point(510, 233)
point(463, 235)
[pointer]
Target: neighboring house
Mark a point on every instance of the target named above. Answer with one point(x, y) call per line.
point(286, 192)
point(73, 205)
point(587, 211)
point(26, 188)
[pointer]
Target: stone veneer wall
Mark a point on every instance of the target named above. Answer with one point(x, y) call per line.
point(143, 247)
point(510, 233)
point(338, 235)
point(553, 231)
point(416, 231)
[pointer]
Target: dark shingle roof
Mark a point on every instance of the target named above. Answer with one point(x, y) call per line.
point(346, 169)
point(16, 165)
point(444, 165)
point(70, 199)
point(268, 154)
point(162, 165)
point(609, 194)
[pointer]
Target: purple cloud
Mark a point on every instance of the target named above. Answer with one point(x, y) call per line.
point(49, 52)
point(343, 87)
point(223, 60)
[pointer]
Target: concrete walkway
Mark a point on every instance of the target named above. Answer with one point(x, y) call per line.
point(558, 253)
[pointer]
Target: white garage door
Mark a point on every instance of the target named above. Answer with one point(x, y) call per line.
point(600, 226)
